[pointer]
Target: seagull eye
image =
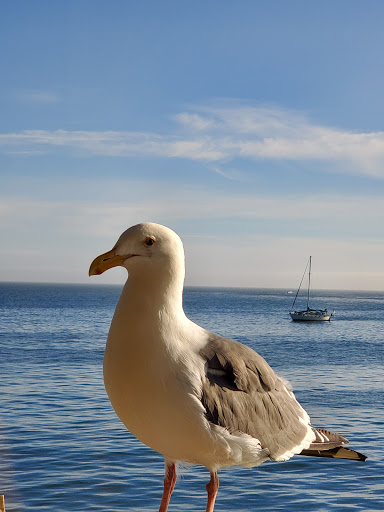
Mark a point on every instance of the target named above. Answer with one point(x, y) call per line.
point(149, 241)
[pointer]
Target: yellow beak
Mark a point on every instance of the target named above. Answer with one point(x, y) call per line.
point(104, 262)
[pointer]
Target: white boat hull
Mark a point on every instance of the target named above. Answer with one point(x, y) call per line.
point(311, 315)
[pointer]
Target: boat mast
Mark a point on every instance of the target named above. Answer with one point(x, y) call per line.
point(309, 281)
point(298, 290)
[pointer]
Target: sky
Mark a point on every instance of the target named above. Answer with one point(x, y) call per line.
point(253, 129)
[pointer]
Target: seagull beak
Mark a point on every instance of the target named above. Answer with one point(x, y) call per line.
point(105, 261)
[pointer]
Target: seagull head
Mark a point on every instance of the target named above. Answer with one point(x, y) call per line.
point(146, 247)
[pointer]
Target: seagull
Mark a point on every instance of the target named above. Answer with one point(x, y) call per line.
point(190, 394)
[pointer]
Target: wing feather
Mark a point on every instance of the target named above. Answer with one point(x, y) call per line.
point(242, 393)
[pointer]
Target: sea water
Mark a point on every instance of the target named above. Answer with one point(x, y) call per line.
point(62, 448)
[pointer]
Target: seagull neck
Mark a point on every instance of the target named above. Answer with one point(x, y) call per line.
point(154, 295)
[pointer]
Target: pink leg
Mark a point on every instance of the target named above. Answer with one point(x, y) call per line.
point(169, 484)
point(212, 488)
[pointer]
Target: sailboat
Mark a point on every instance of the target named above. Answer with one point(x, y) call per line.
point(309, 314)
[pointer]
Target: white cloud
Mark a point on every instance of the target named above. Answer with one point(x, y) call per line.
point(56, 240)
point(198, 203)
point(35, 96)
point(224, 134)
point(194, 122)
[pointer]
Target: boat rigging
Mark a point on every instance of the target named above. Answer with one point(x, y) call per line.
point(309, 314)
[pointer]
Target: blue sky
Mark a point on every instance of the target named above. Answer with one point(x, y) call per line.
point(254, 129)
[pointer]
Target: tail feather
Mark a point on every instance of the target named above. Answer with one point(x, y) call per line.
point(326, 440)
point(336, 453)
point(328, 444)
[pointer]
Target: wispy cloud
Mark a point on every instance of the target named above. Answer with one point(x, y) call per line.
point(35, 96)
point(326, 211)
point(58, 239)
point(223, 134)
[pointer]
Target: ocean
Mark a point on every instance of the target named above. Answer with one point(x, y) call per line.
point(62, 448)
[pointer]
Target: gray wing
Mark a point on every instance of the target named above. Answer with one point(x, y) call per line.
point(242, 393)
